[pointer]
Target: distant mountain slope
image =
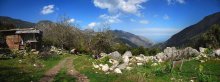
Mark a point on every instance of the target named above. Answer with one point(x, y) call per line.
point(9, 23)
point(192, 34)
point(131, 39)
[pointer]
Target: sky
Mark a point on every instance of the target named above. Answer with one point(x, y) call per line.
point(156, 20)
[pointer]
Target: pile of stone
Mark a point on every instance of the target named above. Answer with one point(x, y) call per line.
point(127, 61)
point(171, 53)
point(55, 50)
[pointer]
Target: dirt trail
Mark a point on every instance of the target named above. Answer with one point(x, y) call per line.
point(67, 63)
point(72, 72)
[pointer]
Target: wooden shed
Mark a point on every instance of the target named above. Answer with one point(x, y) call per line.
point(20, 38)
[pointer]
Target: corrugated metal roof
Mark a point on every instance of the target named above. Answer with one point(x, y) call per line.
point(27, 31)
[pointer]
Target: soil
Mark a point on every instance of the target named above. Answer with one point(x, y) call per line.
point(68, 64)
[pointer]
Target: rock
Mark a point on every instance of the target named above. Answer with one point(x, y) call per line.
point(139, 64)
point(94, 65)
point(217, 52)
point(128, 68)
point(160, 56)
point(139, 59)
point(170, 52)
point(202, 50)
point(103, 54)
point(115, 55)
point(154, 64)
point(125, 59)
point(73, 51)
point(128, 54)
point(105, 68)
point(149, 58)
point(114, 64)
point(122, 66)
point(160, 61)
point(117, 70)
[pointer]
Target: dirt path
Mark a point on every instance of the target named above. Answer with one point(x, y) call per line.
point(67, 63)
point(71, 71)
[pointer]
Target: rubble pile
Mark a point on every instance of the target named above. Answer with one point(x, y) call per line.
point(127, 61)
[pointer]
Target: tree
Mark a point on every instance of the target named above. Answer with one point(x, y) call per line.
point(61, 34)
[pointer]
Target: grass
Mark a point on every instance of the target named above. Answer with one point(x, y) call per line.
point(191, 70)
point(22, 70)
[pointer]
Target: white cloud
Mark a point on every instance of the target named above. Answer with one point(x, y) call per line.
point(110, 19)
point(170, 2)
point(166, 17)
point(72, 20)
point(47, 9)
point(144, 21)
point(92, 25)
point(117, 6)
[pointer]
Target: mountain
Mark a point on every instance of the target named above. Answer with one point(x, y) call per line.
point(10, 23)
point(192, 35)
point(132, 39)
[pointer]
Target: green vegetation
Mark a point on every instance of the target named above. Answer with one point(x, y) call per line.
point(25, 69)
point(210, 39)
point(191, 70)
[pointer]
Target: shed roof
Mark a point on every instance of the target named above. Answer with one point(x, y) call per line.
point(27, 31)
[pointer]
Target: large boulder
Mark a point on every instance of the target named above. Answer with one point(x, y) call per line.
point(217, 52)
point(115, 55)
point(128, 54)
point(170, 52)
point(125, 59)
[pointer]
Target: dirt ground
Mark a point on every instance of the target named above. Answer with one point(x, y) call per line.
point(67, 63)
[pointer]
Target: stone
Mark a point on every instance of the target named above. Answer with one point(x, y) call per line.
point(103, 54)
point(117, 70)
point(154, 64)
point(125, 59)
point(94, 65)
point(148, 58)
point(160, 61)
point(128, 54)
point(114, 64)
point(217, 52)
point(139, 59)
point(115, 55)
point(202, 50)
point(122, 66)
point(129, 68)
point(73, 51)
point(160, 56)
point(105, 67)
point(139, 64)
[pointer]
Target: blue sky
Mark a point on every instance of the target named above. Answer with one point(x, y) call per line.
point(156, 20)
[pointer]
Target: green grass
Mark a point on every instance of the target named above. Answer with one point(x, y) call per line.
point(11, 70)
point(148, 73)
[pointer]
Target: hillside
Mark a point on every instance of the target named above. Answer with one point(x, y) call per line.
point(9, 23)
point(132, 39)
point(192, 35)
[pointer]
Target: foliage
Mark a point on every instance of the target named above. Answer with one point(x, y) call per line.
point(210, 39)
